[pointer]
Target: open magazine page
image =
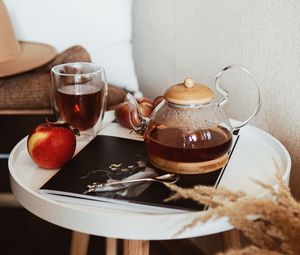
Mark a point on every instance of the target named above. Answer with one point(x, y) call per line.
point(120, 154)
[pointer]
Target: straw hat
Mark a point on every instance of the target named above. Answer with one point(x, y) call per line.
point(17, 56)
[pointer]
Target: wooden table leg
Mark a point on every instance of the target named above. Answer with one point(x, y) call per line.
point(136, 247)
point(79, 243)
point(231, 239)
point(111, 246)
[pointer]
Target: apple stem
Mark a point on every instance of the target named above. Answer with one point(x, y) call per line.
point(76, 131)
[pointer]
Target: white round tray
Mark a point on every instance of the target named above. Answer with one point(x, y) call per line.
point(252, 159)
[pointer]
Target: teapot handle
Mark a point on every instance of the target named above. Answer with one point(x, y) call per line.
point(226, 94)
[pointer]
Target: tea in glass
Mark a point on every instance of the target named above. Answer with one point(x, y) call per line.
point(79, 96)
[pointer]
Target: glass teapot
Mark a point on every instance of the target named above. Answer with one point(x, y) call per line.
point(188, 133)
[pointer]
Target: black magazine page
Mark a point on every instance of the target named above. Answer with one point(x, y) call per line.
point(107, 159)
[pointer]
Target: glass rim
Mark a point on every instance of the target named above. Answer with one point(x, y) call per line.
point(72, 64)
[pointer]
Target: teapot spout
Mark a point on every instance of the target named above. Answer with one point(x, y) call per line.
point(138, 122)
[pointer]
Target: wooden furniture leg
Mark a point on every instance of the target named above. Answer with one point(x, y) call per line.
point(111, 246)
point(231, 239)
point(7, 199)
point(136, 247)
point(79, 243)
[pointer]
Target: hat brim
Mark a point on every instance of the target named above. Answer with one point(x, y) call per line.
point(32, 55)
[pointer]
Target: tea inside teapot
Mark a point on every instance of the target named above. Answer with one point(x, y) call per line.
point(187, 146)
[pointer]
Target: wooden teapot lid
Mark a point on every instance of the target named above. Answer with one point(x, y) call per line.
point(189, 93)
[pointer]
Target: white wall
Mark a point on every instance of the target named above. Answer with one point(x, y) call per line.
point(174, 39)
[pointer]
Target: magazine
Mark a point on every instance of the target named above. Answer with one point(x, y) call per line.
point(119, 154)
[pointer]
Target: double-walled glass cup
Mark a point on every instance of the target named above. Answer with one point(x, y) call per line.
point(78, 96)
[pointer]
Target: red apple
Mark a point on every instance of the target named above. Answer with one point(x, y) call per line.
point(51, 145)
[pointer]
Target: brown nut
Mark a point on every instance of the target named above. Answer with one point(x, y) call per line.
point(145, 109)
point(122, 115)
point(122, 112)
point(145, 100)
point(157, 101)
